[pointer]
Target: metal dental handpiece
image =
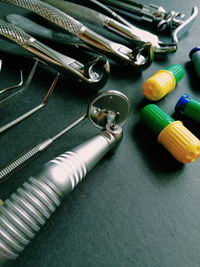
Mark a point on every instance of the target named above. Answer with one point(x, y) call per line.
point(23, 214)
point(158, 45)
point(86, 74)
point(140, 57)
point(97, 116)
point(155, 15)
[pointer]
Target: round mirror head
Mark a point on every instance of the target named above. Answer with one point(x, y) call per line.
point(111, 107)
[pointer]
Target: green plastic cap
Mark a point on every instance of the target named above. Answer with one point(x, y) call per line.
point(155, 118)
point(192, 110)
point(177, 71)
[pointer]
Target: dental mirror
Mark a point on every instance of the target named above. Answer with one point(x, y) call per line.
point(109, 107)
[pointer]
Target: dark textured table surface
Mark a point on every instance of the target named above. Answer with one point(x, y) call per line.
point(138, 207)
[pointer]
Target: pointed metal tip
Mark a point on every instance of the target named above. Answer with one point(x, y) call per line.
point(51, 88)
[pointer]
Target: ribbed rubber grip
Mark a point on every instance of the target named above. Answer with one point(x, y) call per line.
point(50, 13)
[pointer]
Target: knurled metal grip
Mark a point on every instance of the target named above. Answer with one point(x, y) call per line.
point(15, 34)
point(12, 168)
point(50, 13)
point(22, 160)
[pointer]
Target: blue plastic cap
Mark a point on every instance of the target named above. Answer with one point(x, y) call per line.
point(182, 102)
point(194, 50)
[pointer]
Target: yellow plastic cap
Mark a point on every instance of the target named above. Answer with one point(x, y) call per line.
point(159, 85)
point(180, 142)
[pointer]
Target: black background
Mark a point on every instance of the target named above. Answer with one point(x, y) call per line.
point(138, 207)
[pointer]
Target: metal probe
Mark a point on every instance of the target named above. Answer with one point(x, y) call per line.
point(32, 111)
point(23, 89)
point(13, 86)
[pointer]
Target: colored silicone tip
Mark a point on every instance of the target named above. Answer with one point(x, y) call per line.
point(155, 118)
point(194, 50)
point(182, 102)
point(177, 71)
